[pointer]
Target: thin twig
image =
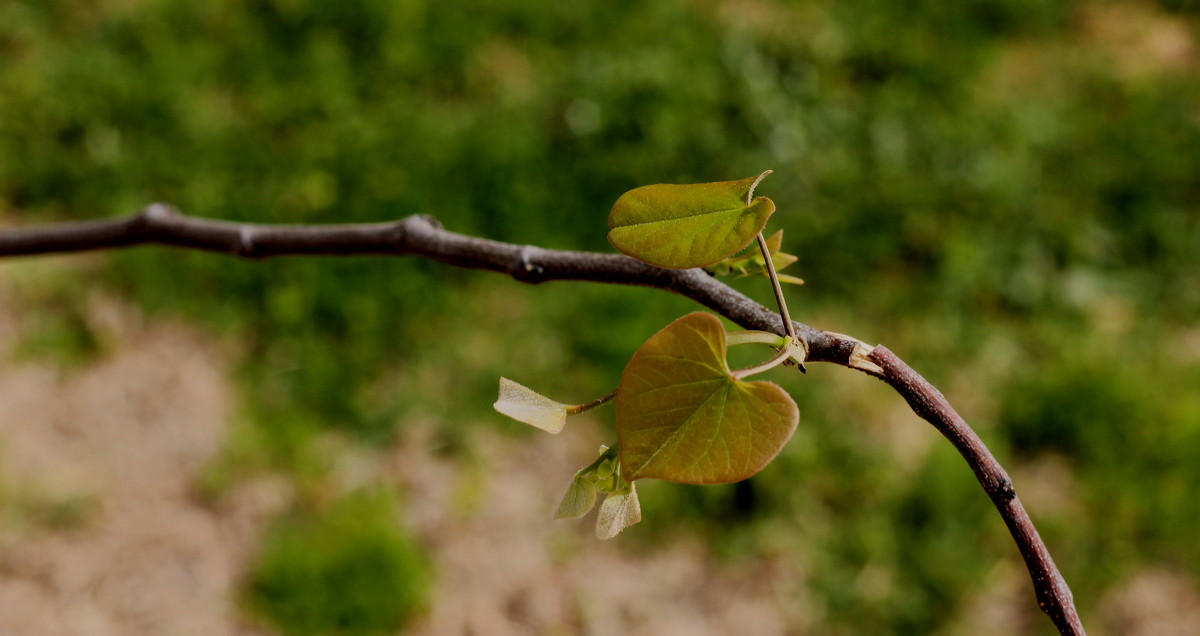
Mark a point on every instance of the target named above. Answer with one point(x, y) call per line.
point(587, 406)
point(1054, 597)
point(422, 236)
point(775, 361)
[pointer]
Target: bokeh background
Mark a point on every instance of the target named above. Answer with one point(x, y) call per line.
point(1003, 192)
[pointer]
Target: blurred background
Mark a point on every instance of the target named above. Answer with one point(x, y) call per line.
point(1003, 192)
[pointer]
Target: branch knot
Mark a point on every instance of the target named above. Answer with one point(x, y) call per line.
point(158, 212)
point(524, 269)
point(246, 247)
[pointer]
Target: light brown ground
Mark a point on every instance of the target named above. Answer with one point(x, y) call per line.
point(101, 533)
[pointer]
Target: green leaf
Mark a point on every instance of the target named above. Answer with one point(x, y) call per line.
point(685, 226)
point(526, 405)
point(682, 417)
point(619, 511)
point(580, 497)
point(752, 262)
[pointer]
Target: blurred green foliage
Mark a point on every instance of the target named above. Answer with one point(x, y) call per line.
point(347, 570)
point(1003, 192)
point(57, 327)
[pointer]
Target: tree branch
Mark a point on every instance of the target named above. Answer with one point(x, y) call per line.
point(423, 236)
point(1054, 597)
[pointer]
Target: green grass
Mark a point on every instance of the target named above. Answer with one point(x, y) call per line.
point(345, 569)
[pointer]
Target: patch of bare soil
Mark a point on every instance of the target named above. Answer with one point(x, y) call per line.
point(1141, 40)
point(504, 567)
point(102, 534)
point(1153, 603)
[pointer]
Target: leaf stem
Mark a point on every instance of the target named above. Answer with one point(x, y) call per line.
point(587, 406)
point(779, 359)
point(783, 310)
point(736, 338)
point(607, 453)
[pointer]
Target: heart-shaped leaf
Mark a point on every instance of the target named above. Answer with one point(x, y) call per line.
point(681, 416)
point(685, 226)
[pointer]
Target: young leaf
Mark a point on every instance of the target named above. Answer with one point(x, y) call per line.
point(526, 405)
point(752, 262)
point(779, 258)
point(685, 226)
point(580, 497)
point(619, 511)
point(681, 416)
